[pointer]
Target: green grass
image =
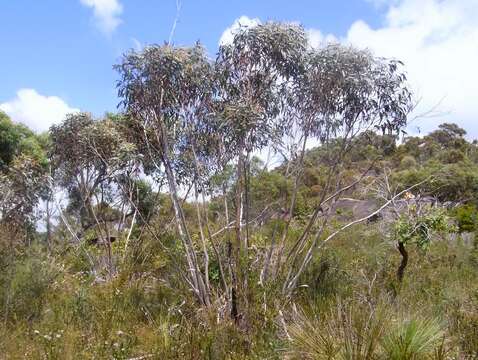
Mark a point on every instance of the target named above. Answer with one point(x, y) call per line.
point(352, 308)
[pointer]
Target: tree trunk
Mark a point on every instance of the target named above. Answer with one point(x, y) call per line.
point(48, 222)
point(196, 275)
point(293, 201)
point(226, 208)
point(237, 253)
point(403, 263)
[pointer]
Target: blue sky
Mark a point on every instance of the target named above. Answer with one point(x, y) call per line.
point(58, 54)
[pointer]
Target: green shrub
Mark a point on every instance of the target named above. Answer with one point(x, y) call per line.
point(347, 332)
point(27, 290)
point(413, 339)
point(466, 218)
point(408, 162)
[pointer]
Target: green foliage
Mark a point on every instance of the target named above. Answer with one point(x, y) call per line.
point(449, 136)
point(144, 199)
point(466, 218)
point(347, 308)
point(413, 339)
point(445, 155)
point(408, 162)
point(177, 130)
point(450, 182)
point(16, 140)
point(451, 156)
point(464, 323)
point(26, 286)
point(355, 332)
point(82, 146)
point(23, 165)
point(418, 228)
point(344, 86)
point(253, 74)
point(188, 117)
point(267, 187)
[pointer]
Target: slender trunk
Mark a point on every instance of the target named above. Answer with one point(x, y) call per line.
point(291, 208)
point(111, 270)
point(291, 281)
point(246, 206)
point(265, 269)
point(48, 222)
point(214, 246)
point(203, 238)
point(237, 246)
point(246, 242)
point(196, 276)
point(403, 263)
point(204, 208)
point(226, 208)
point(133, 222)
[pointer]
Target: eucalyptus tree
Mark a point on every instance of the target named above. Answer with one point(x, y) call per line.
point(254, 71)
point(21, 188)
point(87, 155)
point(166, 91)
point(188, 117)
point(345, 92)
point(23, 165)
point(71, 164)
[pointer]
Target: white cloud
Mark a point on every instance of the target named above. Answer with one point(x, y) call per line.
point(317, 38)
point(242, 22)
point(438, 41)
point(36, 111)
point(106, 13)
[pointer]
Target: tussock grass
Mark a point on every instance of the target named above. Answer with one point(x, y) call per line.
point(350, 308)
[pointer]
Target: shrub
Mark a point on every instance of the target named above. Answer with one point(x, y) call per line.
point(466, 218)
point(413, 339)
point(350, 332)
point(28, 287)
point(408, 162)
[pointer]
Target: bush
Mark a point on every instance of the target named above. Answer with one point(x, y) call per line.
point(466, 218)
point(348, 332)
point(27, 290)
point(358, 332)
point(408, 162)
point(413, 339)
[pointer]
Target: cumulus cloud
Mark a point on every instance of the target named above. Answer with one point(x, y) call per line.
point(106, 13)
point(437, 40)
point(241, 22)
point(318, 39)
point(36, 111)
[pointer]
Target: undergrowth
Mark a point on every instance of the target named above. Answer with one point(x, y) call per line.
point(349, 305)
